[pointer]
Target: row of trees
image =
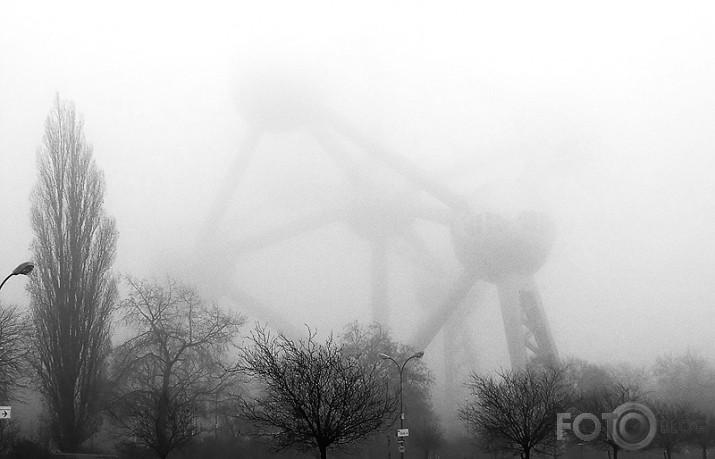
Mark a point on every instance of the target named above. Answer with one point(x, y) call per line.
point(162, 382)
point(519, 411)
point(157, 385)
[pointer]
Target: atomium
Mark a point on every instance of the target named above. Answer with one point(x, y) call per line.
point(505, 251)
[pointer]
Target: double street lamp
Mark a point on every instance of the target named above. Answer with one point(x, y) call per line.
point(401, 368)
point(23, 268)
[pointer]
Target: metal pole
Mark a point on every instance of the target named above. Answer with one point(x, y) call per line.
point(400, 369)
point(23, 268)
point(402, 410)
point(3, 282)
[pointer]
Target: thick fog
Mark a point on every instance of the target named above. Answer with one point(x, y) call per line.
point(601, 115)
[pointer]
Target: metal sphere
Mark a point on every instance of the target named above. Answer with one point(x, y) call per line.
point(274, 103)
point(498, 247)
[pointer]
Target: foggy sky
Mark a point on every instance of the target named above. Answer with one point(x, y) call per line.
point(600, 114)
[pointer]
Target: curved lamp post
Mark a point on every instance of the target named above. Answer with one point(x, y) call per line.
point(23, 268)
point(417, 355)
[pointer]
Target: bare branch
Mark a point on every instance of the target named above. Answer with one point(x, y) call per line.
point(312, 395)
point(15, 349)
point(516, 410)
point(172, 367)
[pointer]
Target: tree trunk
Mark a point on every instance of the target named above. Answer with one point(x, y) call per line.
point(323, 452)
point(704, 453)
point(163, 437)
point(67, 441)
point(615, 452)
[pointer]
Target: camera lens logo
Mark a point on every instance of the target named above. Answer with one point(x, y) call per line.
point(634, 426)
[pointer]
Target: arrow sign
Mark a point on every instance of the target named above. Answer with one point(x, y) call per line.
point(5, 412)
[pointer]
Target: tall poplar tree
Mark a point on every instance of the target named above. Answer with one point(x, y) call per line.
point(72, 292)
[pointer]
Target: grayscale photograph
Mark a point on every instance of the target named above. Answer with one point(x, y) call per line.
point(378, 229)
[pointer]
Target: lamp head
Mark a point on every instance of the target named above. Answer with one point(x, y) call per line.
point(24, 268)
point(383, 356)
point(419, 354)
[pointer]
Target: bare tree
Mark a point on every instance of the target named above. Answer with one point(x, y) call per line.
point(15, 333)
point(172, 368)
point(72, 291)
point(598, 390)
point(517, 409)
point(605, 399)
point(10, 432)
point(684, 386)
point(683, 379)
point(314, 396)
point(703, 434)
point(668, 436)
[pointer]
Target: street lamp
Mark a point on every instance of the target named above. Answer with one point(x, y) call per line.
point(417, 355)
point(23, 268)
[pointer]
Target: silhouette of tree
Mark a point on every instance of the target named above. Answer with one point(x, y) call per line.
point(703, 430)
point(685, 387)
point(313, 395)
point(72, 290)
point(169, 372)
point(599, 390)
point(15, 335)
point(517, 409)
point(669, 437)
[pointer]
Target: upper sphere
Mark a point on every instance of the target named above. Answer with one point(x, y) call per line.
point(275, 102)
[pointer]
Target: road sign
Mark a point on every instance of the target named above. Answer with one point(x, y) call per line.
point(401, 448)
point(5, 412)
point(403, 432)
